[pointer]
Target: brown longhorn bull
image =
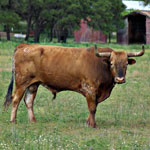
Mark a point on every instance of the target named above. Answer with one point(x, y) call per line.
point(92, 72)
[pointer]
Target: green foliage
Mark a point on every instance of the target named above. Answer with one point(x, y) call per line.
point(69, 13)
point(63, 16)
point(106, 15)
point(126, 12)
point(7, 14)
point(9, 18)
point(146, 2)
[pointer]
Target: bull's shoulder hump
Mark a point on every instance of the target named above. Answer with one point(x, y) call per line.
point(26, 45)
point(99, 49)
point(104, 49)
point(22, 45)
point(50, 48)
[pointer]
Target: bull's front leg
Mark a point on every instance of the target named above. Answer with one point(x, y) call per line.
point(92, 104)
point(89, 91)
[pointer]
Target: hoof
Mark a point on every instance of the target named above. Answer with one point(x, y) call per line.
point(92, 125)
point(13, 121)
point(33, 120)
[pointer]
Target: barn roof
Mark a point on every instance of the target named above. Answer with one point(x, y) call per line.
point(136, 5)
point(144, 13)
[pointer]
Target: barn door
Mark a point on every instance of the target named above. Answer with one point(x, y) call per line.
point(137, 29)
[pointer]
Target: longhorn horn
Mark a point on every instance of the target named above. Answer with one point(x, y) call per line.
point(136, 54)
point(106, 54)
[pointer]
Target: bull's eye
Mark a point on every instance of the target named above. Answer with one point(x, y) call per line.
point(112, 65)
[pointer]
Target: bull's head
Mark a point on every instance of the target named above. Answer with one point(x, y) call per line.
point(118, 62)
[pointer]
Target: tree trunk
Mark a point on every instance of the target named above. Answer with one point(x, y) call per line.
point(65, 35)
point(8, 32)
point(51, 34)
point(62, 35)
point(36, 36)
point(29, 20)
point(37, 33)
point(38, 29)
point(109, 37)
point(58, 36)
point(28, 28)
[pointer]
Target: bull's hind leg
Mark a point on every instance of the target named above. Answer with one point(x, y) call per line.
point(29, 100)
point(18, 94)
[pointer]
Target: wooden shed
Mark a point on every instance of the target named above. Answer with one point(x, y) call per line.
point(136, 30)
point(86, 34)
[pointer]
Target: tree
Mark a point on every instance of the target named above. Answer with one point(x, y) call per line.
point(8, 17)
point(68, 15)
point(24, 8)
point(117, 8)
point(39, 18)
point(106, 15)
point(146, 2)
point(30, 11)
point(51, 15)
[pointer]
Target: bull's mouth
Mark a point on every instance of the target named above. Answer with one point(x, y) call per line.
point(119, 80)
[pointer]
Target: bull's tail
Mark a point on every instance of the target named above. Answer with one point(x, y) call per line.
point(8, 98)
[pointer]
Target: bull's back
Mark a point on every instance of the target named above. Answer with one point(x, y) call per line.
point(57, 66)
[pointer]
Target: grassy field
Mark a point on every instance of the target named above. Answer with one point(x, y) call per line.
point(123, 119)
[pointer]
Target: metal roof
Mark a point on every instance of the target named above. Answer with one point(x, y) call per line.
point(136, 5)
point(144, 13)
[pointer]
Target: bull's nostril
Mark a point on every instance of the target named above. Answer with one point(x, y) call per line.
point(119, 79)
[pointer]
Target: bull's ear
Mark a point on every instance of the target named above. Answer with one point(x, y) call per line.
point(131, 61)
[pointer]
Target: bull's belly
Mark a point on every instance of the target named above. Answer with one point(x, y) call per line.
point(61, 83)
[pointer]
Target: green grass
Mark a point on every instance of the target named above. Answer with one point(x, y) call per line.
point(123, 119)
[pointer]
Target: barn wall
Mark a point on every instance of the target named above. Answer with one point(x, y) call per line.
point(147, 30)
point(86, 34)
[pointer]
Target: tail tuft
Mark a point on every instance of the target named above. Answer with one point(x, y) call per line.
point(8, 98)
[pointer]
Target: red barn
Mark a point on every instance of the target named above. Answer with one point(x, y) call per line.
point(86, 34)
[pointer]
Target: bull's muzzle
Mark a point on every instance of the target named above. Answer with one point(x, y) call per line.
point(119, 80)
